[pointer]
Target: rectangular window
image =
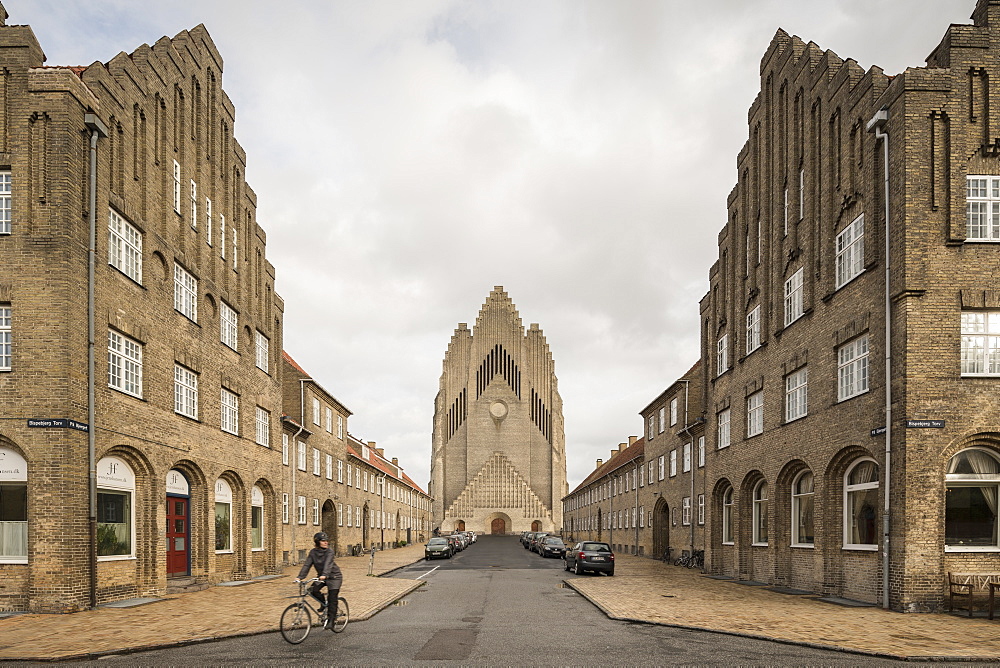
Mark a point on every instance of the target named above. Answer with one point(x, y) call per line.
point(793, 298)
point(340, 426)
point(753, 330)
point(177, 186)
point(302, 510)
point(802, 194)
point(723, 434)
point(686, 511)
point(981, 343)
point(316, 460)
point(755, 414)
point(208, 221)
point(316, 411)
point(302, 456)
point(796, 395)
point(114, 523)
point(851, 251)
point(852, 368)
point(329, 467)
point(284, 449)
point(185, 293)
point(185, 392)
point(982, 208)
point(284, 508)
point(650, 427)
point(124, 364)
point(262, 352)
point(686, 458)
point(662, 465)
point(6, 338)
point(701, 451)
point(340, 514)
point(316, 512)
point(328, 422)
point(673, 463)
point(651, 471)
point(340, 471)
point(785, 212)
point(350, 476)
point(230, 404)
point(701, 509)
point(232, 233)
point(256, 527)
point(124, 245)
point(228, 324)
point(5, 208)
point(263, 427)
point(194, 204)
point(722, 355)
point(222, 236)
point(663, 419)
point(673, 411)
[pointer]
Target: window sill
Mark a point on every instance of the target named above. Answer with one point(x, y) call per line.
point(259, 549)
point(14, 560)
point(223, 551)
point(758, 544)
point(730, 543)
point(803, 546)
point(971, 548)
point(116, 557)
point(860, 548)
point(859, 394)
point(982, 241)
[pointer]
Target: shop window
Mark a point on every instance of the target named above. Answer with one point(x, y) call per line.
point(115, 509)
point(972, 481)
point(223, 516)
point(13, 507)
point(861, 506)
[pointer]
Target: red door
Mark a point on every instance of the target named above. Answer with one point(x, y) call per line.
point(177, 536)
point(498, 527)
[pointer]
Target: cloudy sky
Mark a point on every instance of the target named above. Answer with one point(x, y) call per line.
point(408, 155)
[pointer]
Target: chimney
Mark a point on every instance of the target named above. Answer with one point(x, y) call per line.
point(395, 461)
point(621, 447)
point(600, 463)
point(632, 440)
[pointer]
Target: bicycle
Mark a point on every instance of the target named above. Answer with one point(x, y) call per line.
point(296, 620)
point(666, 555)
point(689, 559)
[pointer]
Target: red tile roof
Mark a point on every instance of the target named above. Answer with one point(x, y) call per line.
point(620, 458)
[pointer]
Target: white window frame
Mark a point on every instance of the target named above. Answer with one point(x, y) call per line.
point(662, 426)
point(317, 467)
point(673, 463)
point(328, 420)
point(686, 457)
point(124, 244)
point(208, 220)
point(850, 252)
point(262, 430)
point(185, 293)
point(228, 324)
point(223, 499)
point(6, 338)
point(797, 394)
point(14, 549)
point(686, 511)
point(284, 508)
point(755, 414)
point(650, 427)
point(650, 477)
point(124, 364)
point(317, 414)
point(257, 542)
point(284, 449)
point(802, 193)
point(753, 329)
point(727, 516)
point(177, 186)
point(116, 478)
point(784, 209)
point(222, 236)
point(301, 456)
point(315, 512)
point(662, 466)
point(850, 517)
point(340, 427)
point(6, 217)
point(954, 480)
point(759, 520)
point(803, 501)
point(262, 352)
point(673, 411)
point(194, 204)
point(229, 408)
point(701, 510)
point(302, 510)
point(340, 514)
point(701, 452)
point(722, 355)
point(329, 467)
point(340, 471)
point(723, 433)
point(982, 208)
point(853, 368)
point(793, 298)
point(980, 351)
point(185, 392)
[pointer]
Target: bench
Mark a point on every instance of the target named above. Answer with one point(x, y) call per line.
point(968, 585)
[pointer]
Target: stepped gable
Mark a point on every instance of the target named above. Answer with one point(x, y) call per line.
point(499, 485)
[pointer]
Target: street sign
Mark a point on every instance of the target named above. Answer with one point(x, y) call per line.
point(878, 430)
point(925, 424)
point(58, 423)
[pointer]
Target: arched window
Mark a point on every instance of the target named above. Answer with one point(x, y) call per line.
point(802, 510)
point(256, 518)
point(223, 516)
point(727, 517)
point(13, 507)
point(760, 514)
point(861, 506)
point(971, 485)
point(115, 509)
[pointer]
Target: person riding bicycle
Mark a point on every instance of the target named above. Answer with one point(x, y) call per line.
point(328, 573)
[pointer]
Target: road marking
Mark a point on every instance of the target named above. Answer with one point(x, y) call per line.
point(429, 572)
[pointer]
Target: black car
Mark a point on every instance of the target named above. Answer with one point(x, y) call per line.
point(552, 546)
point(536, 538)
point(438, 547)
point(590, 556)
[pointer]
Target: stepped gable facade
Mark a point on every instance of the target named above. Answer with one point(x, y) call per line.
point(498, 462)
point(804, 490)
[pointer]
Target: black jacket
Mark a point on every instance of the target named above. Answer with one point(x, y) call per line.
point(322, 559)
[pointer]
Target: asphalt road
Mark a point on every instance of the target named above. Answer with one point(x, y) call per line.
point(497, 604)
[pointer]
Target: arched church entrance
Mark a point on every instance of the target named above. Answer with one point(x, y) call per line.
point(498, 524)
point(661, 527)
point(460, 525)
point(536, 526)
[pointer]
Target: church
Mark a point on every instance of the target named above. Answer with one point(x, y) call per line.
point(498, 462)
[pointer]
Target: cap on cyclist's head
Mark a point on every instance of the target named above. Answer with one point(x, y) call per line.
point(320, 536)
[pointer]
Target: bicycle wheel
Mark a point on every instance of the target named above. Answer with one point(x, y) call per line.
point(343, 615)
point(296, 622)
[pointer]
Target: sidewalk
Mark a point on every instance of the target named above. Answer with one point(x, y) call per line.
point(216, 612)
point(650, 591)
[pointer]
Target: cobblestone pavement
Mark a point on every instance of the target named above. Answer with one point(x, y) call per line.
point(650, 591)
point(641, 590)
point(216, 612)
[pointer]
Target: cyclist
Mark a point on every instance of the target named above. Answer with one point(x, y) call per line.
point(329, 575)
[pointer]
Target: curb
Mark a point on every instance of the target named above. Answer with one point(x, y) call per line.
point(784, 641)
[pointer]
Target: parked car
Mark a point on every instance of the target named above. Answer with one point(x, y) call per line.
point(460, 539)
point(456, 544)
point(524, 535)
point(536, 538)
point(552, 546)
point(473, 536)
point(590, 556)
point(438, 548)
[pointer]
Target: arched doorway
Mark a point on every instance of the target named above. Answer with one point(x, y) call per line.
point(600, 523)
point(536, 526)
point(460, 525)
point(364, 527)
point(329, 523)
point(498, 527)
point(661, 528)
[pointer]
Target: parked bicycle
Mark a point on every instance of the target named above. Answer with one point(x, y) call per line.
point(666, 555)
point(297, 618)
point(689, 559)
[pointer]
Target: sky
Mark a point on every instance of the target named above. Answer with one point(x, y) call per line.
point(410, 155)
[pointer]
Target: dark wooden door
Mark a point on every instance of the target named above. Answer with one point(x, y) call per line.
point(177, 536)
point(536, 526)
point(498, 527)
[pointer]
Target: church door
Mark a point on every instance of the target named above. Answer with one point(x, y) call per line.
point(498, 527)
point(460, 526)
point(536, 526)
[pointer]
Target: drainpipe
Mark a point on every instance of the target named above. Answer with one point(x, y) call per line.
point(878, 123)
point(294, 465)
point(97, 129)
point(687, 431)
point(635, 522)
